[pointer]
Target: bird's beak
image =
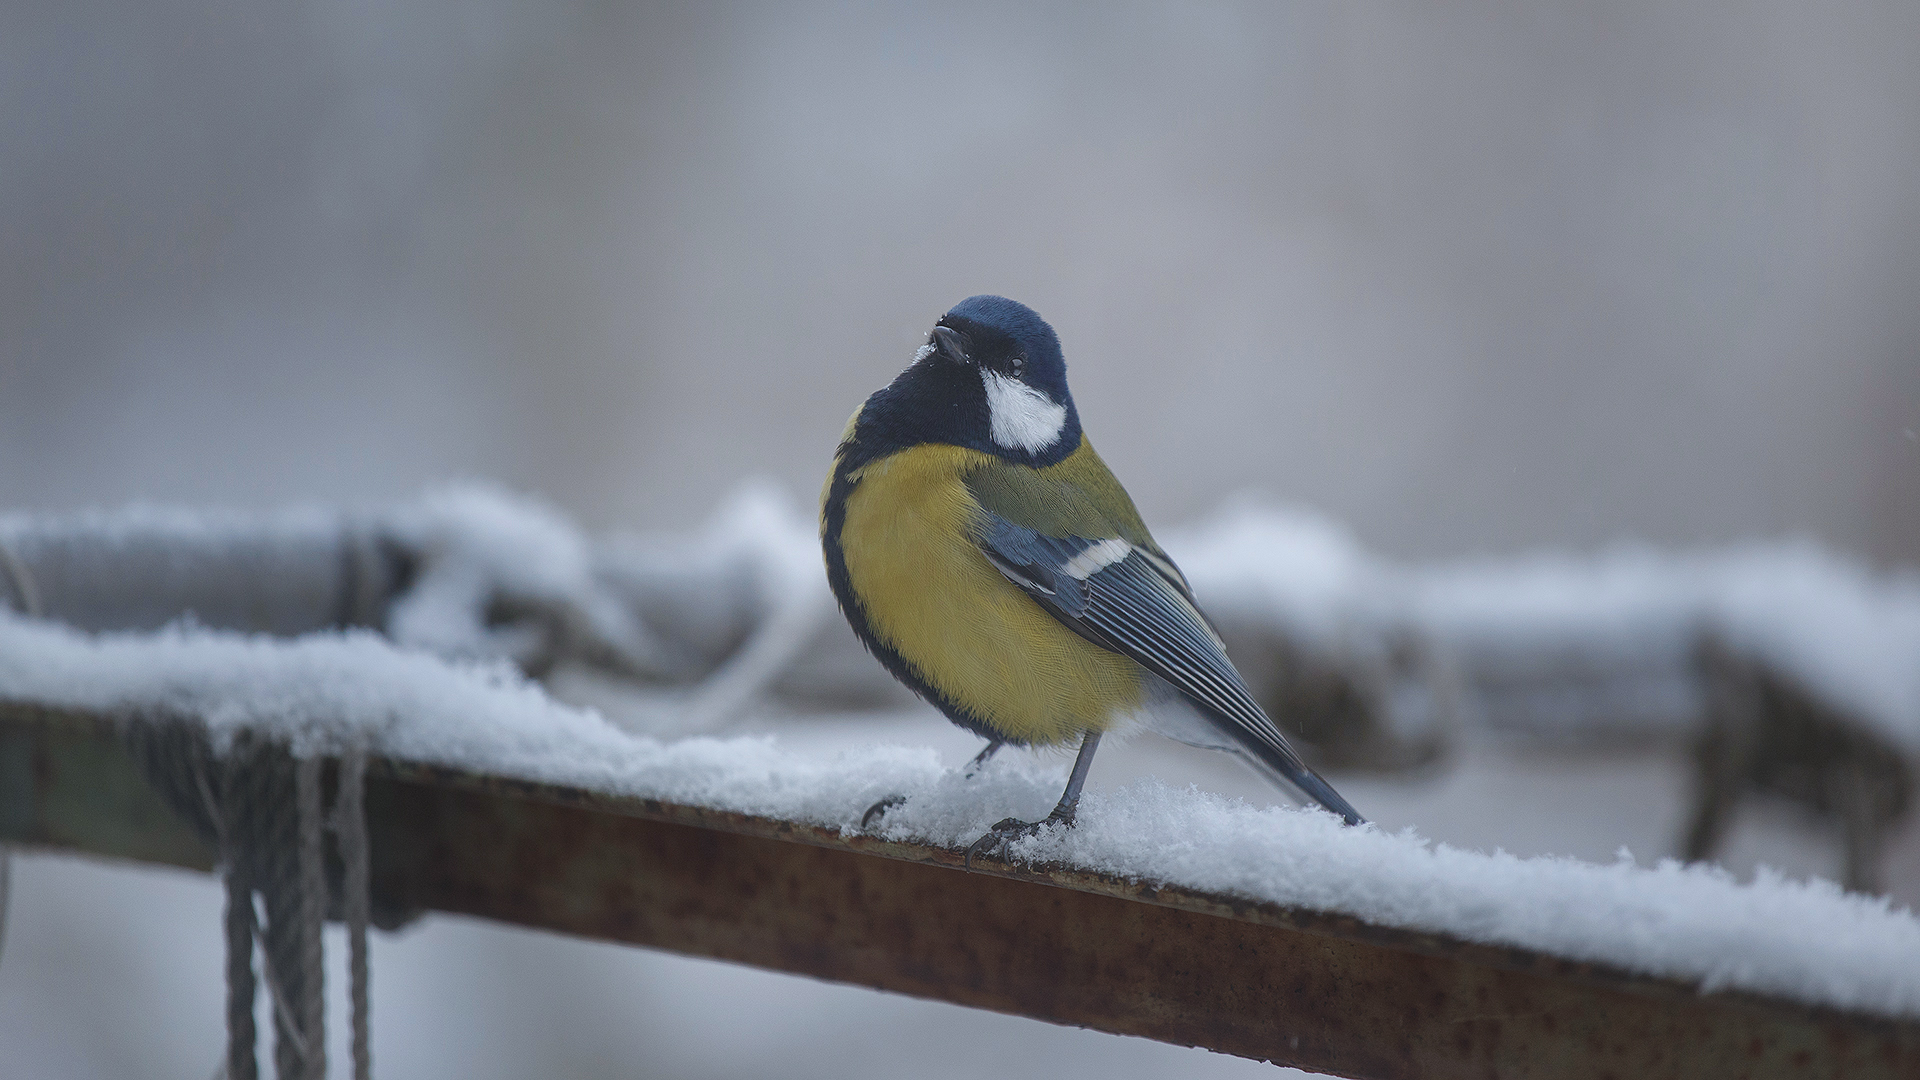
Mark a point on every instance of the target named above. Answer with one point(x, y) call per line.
point(950, 344)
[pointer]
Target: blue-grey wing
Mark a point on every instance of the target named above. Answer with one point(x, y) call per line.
point(1134, 601)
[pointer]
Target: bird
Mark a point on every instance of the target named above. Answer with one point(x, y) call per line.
point(988, 558)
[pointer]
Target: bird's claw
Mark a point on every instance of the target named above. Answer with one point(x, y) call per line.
point(880, 809)
point(1007, 830)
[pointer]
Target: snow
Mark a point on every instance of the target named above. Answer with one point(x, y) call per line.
point(142, 566)
point(1620, 627)
point(1549, 644)
point(1848, 636)
point(1252, 560)
point(1853, 638)
point(478, 544)
point(325, 691)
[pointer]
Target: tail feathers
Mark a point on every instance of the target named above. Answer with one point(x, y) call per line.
point(1297, 775)
point(1183, 720)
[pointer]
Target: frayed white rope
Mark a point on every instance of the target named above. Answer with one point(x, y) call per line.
point(350, 831)
point(311, 917)
point(270, 824)
point(286, 1020)
point(241, 924)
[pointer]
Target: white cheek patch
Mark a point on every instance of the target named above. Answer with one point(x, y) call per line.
point(1097, 558)
point(923, 352)
point(1023, 418)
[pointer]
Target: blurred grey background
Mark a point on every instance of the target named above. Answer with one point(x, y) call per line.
point(1474, 278)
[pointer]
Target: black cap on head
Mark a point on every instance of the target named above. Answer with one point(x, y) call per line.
point(1008, 336)
point(991, 377)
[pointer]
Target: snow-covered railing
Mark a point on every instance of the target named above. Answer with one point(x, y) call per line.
point(1546, 647)
point(1777, 668)
point(1166, 913)
point(732, 610)
point(1268, 934)
point(1729, 657)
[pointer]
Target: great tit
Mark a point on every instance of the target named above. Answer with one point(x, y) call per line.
point(985, 554)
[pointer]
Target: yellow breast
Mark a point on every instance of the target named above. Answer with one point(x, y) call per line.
point(929, 594)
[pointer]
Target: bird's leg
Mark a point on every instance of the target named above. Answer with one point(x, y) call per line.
point(880, 808)
point(983, 757)
point(1063, 811)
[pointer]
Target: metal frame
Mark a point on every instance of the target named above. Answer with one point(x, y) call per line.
point(1323, 992)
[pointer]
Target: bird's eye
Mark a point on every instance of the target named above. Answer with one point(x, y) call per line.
point(1019, 362)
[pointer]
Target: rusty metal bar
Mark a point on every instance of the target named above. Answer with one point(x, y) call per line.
point(1323, 992)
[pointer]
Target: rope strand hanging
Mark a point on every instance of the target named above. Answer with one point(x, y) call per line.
point(350, 832)
point(264, 808)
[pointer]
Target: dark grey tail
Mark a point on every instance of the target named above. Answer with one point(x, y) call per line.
point(1182, 719)
point(1309, 783)
point(1267, 750)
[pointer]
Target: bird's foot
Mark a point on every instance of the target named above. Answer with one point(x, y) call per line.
point(879, 810)
point(1011, 829)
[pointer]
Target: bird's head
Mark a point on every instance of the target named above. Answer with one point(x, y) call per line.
point(990, 377)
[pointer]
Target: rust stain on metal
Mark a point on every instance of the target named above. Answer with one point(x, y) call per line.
point(1324, 992)
point(1333, 996)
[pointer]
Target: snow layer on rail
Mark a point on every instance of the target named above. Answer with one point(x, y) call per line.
point(1805, 941)
point(1848, 635)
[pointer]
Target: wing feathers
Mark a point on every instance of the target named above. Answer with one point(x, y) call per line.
point(1133, 600)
